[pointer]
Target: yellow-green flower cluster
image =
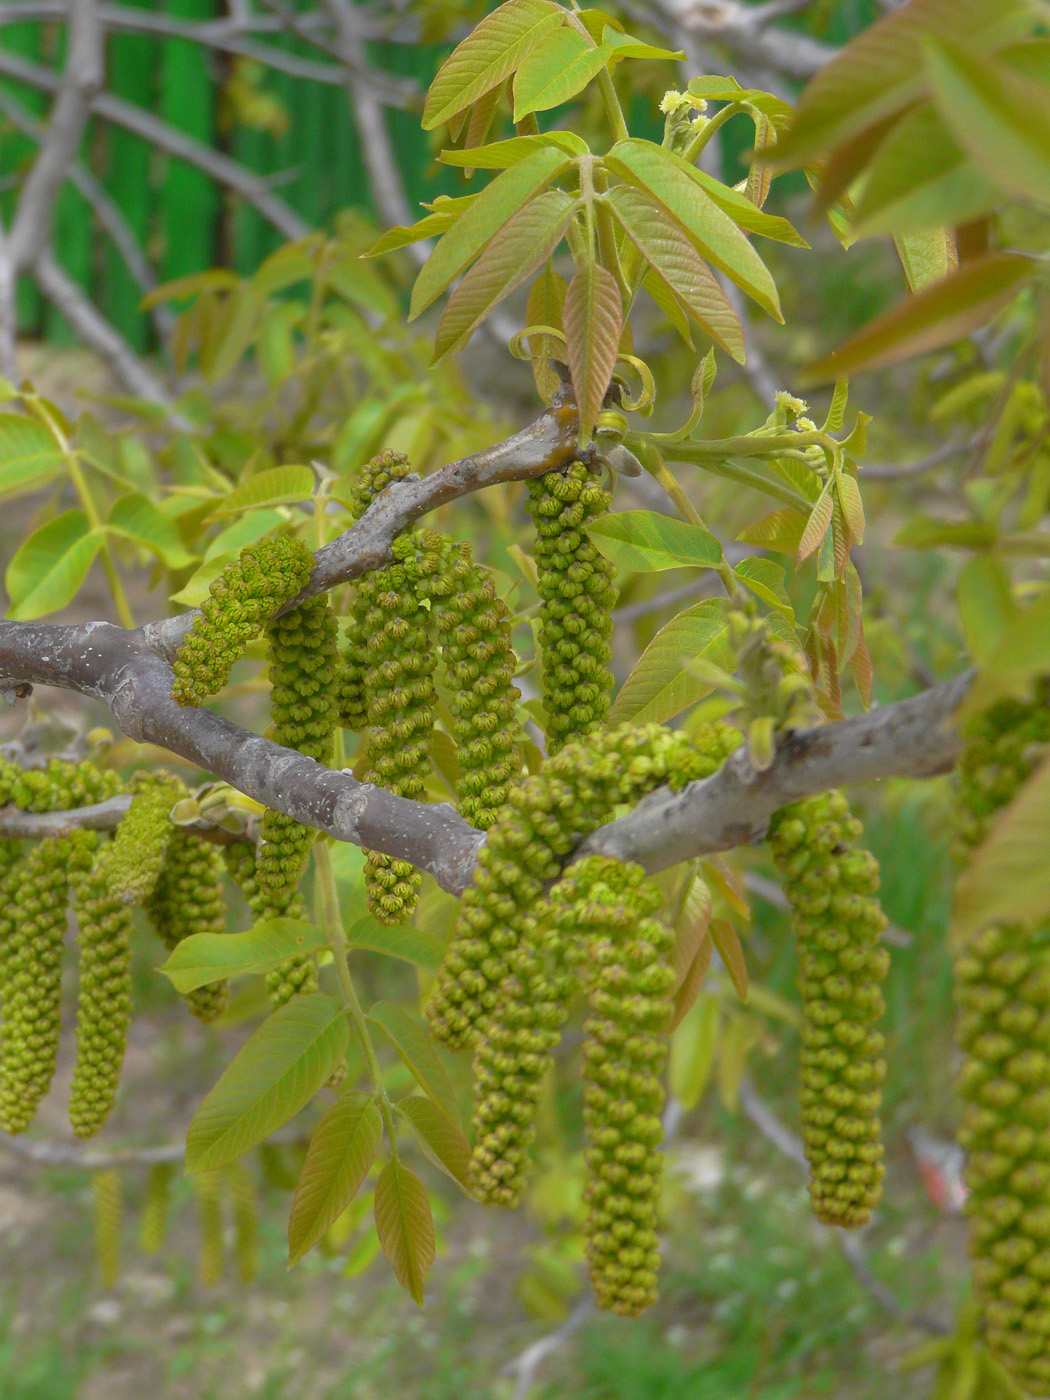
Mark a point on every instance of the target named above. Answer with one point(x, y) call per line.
point(302, 676)
point(547, 815)
point(576, 595)
point(624, 961)
point(136, 853)
point(109, 1210)
point(60, 786)
point(1002, 992)
point(35, 896)
point(246, 594)
point(297, 974)
point(831, 889)
point(156, 1209)
point(478, 662)
point(104, 998)
point(187, 899)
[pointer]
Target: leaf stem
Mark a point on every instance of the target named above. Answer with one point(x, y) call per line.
point(87, 501)
point(336, 935)
point(708, 129)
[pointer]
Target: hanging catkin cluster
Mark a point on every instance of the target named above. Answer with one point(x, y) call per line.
point(478, 661)
point(246, 594)
point(546, 816)
point(1002, 991)
point(302, 647)
point(104, 995)
point(387, 688)
point(186, 899)
point(136, 854)
point(58, 787)
point(576, 593)
point(34, 896)
point(622, 953)
point(831, 889)
point(109, 1211)
point(296, 974)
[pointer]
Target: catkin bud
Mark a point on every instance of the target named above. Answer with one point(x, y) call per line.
point(837, 921)
point(106, 1189)
point(245, 595)
point(1002, 993)
point(576, 594)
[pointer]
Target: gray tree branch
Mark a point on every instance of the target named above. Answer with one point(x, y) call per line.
point(78, 87)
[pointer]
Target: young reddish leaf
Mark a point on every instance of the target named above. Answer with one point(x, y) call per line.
point(936, 316)
point(729, 883)
point(817, 524)
point(440, 221)
point(559, 66)
point(689, 989)
point(760, 175)
point(405, 1226)
point(852, 505)
point(669, 180)
point(927, 257)
point(691, 930)
point(415, 1046)
point(880, 71)
point(727, 941)
point(920, 178)
point(481, 117)
point(489, 53)
point(342, 1149)
point(677, 265)
point(669, 304)
point(490, 211)
point(523, 244)
point(693, 1051)
point(744, 213)
point(546, 307)
point(861, 670)
point(438, 1138)
point(1000, 116)
point(593, 326)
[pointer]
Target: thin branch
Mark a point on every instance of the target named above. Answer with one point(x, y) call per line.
point(94, 330)
point(851, 1245)
point(91, 1159)
point(876, 471)
point(8, 314)
point(253, 188)
point(524, 1367)
point(79, 85)
point(108, 212)
point(99, 816)
point(746, 30)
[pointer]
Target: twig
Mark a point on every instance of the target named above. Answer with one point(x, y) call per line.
point(57, 1154)
point(746, 30)
point(99, 816)
point(93, 328)
point(79, 85)
point(165, 137)
point(876, 471)
point(785, 1141)
point(524, 1367)
point(8, 368)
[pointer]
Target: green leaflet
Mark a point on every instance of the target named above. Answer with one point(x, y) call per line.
point(136, 518)
point(660, 687)
point(272, 487)
point(556, 68)
point(488, 213)
point(275, 1073)
point(669, 181)
point(211, 957)
point(413, 1043)
point(48, 567)
point(29, 455)
point(438, 1137)
point(647, 542)
point(341, 1151)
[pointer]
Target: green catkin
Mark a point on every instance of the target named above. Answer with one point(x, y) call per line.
point(831, 889)
point(187, 899)
point(60, 786)
point(106, 1189)
point(576, 594)
point(1002, 993)
point(31, 995)
point(624, 956)
point(246, 594)
point(104, 998)
point(296, 974)
point(350, 698)
point(208, 1186)
point(156, 1211)
point(548, 814)
point(136, 854)
point(478, 662)
point(245, 1223)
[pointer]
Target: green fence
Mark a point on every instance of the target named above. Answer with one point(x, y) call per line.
point(296, 131)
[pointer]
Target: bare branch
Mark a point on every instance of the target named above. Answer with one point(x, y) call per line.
point(8, 314)
point(876, 471)
point(99, 816)
point(31, 228)
point(746, 30)
point(93, 328)
point(234, 176)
